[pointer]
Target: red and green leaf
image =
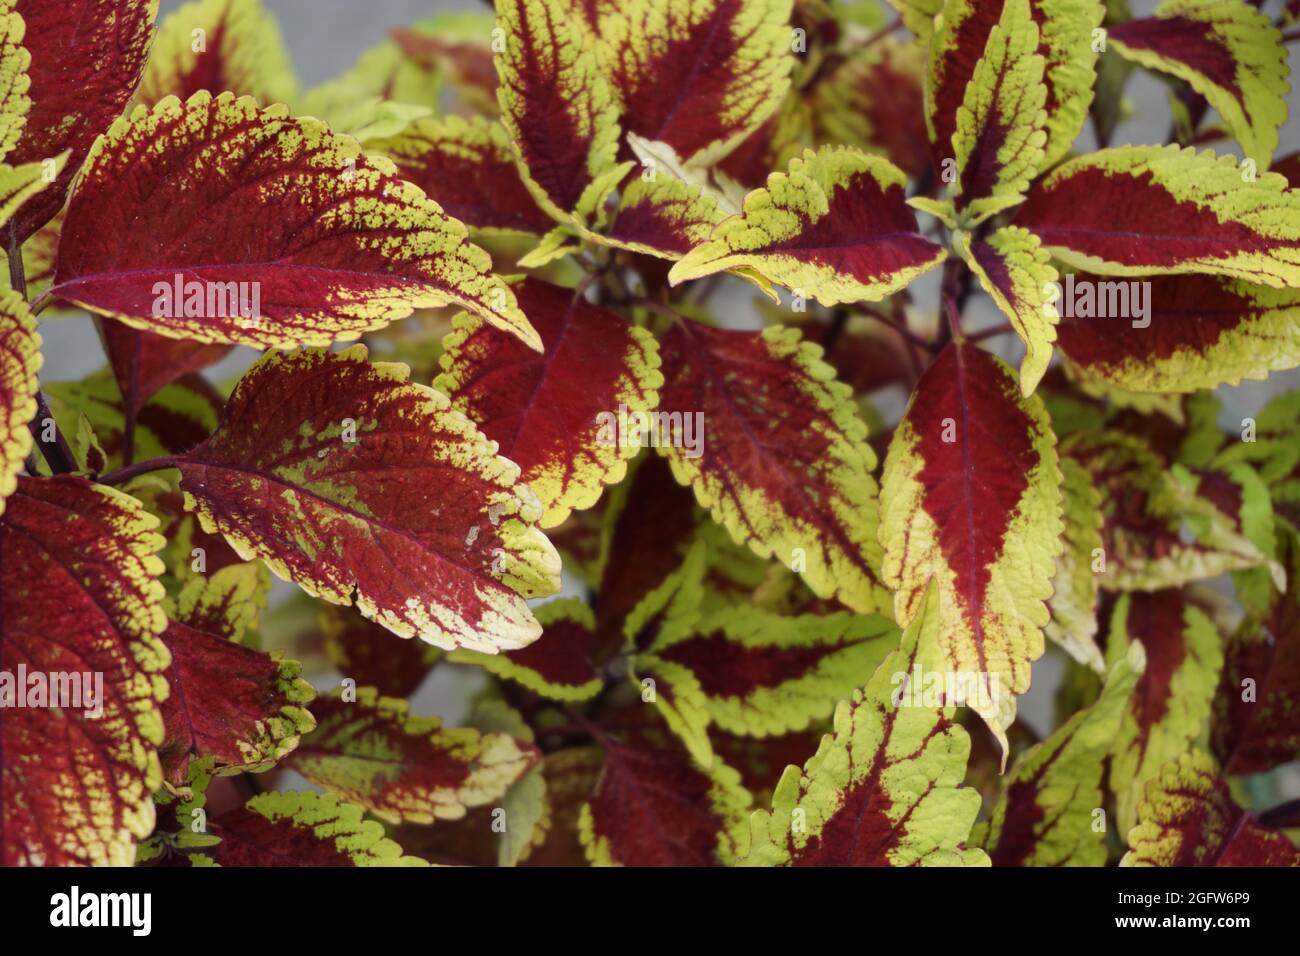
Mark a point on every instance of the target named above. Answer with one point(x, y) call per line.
point(1148, 210)
point(402, 767)
point(332, 242)
point(303, 829)
point(372, 655)
point(971, 499)
point(1256, 722)
point(242, 52)
point(1075, 588)
point(86, 59)
point(699, 76)
point(1188, 818)
point(355, 480)
point(652, 806)
point(559, 664)
point(558, 107)
point(1201, 332)
point(467, 167)
point(884, 789)
point(20, 360)
point(1171, 703)
point(79, 595)
point(1064, 41)
point(1229, 53)
point(782, 460)
point(144, 363)
point(1045, 814)
point(560, 416)
point(834, 227)
point(662, 216)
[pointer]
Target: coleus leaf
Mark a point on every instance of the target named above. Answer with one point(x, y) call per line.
point(303, 829)
point(79, 603)
point(1188, 818)
point(1230, 53)
point(525, 805)
point(568, 441)
point(558, 107)
point(1201, 332)
point(1064, 41)
point(652, 806)
point(559, 664)
point(1171, 704)
point(699, 76)
point(15, 104)
point(174, 420)
point(971, 499)
point(144, 363)
point(874, 101)
point(571, 775)
point(81, 79)
point(1256, 723)
point(1014, 269)
point(661, 216)
point(331, 243)
point(785, 465)
point(20, 183)
point(1167, 527)
point(1075, 590)
point(373, 656)
point(20, 360)
point(243, 708)
point(1144, 210)
point(228, 602)
point(763, 674)
point(1000, 133)
point(884, 789)
point(242, 52)
point(402, 767)
point(834, 228)
point(467, 167)
point(1045, 813)
point(356, 480)
point(455, 45)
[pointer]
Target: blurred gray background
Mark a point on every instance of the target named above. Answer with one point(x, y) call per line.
point(325, 37)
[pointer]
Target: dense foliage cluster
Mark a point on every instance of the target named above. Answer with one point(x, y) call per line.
point(612, 297)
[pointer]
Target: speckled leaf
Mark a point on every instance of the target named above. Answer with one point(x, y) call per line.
point(20, 360)
point(557, 106)
point(1146, 210)
point(242, 52)
point(1045, 814)
point(327, 242)
point(971, 499)
point(86, 59)
point(1230, 53)
point(1171, 704)
point(401, 767)
point(561, 416)
point(303, 829)
point(834, 227)
point(1188, 818)
point(355, 480)
point(663, 216)
point(79, 602)
point(769, 440)
point(884, 789)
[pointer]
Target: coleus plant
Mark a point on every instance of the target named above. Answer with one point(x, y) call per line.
point(796, 629)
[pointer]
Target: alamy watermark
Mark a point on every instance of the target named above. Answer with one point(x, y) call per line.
point(208, 300)
point(626, 428)
point(935, 689)
point(1088, 299)
point(66, 690)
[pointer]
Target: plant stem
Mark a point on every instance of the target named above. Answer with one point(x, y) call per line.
point(995, 331)
point(139, 468)
point(130, 401)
